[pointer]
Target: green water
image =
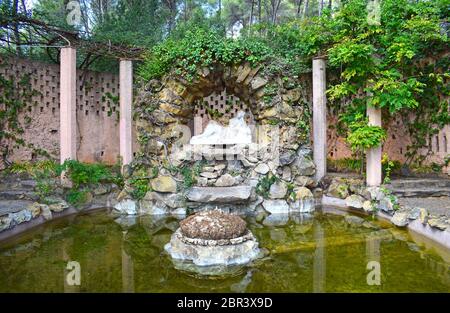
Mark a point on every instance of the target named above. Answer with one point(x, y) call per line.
point(320, 254)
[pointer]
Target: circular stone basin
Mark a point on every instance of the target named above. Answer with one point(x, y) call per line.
point(212, 238)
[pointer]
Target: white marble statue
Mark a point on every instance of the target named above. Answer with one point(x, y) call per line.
point(237, 132)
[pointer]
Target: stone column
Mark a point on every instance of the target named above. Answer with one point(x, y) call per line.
point(126, 100)
point(373, 166)
point(319, 118)
point(68, 92)
point(198, 125)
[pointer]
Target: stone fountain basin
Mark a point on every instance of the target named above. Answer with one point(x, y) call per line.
point(207, 252)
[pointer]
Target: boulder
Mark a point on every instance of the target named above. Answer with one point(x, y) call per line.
point(303, 164)
point(276, 206)
point(387, 204)
point(126, 206)
point(5, 222)
point(225, 180)
point(164, 184)
point(209, 175)
point(287, 158)
point(262, 169)
point(233, 194)
point(400, 219)
point(59, 206)
point(438, 222)
point(368, 206)
point(278, 190)
point(423, 216)
point(338, 190)
point(304, 201)
point(375, 193)
point(305, 181)
point(172, 200)
point(354, 201)
point(21, 216)
point(148, 207)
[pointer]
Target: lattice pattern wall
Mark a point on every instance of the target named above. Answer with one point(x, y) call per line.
point(225, 105)
point(97, 111)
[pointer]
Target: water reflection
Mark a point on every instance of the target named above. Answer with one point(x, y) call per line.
point(305, 253)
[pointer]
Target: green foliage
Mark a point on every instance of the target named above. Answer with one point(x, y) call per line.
point(140, 182)
point(200, 48)
point(345, 165)
point(77, 197)
point(263, 185)
point(43, 172)
point(86, 174)
point(363, 136)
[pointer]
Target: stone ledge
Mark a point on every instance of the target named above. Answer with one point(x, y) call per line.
point(233, 194)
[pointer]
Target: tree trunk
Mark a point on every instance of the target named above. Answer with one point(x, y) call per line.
point(305, 9)
point(16, 28)
point(299, 7)
point(251, 13)
point(320, 7)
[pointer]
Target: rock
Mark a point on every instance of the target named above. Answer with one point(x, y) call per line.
point(304, 202)
point(233, 194)
point(202, 181)
point(400, 219)
point(423, 215)
point(413, 213)
point(303, 165)
point(20, 217)
point(126, 221)
point(209, 175)
point(225, 180)
point(202, 255)
point(46, 212)
point(257, 83)
point(305, 181)
point(276, 206)
point(387, 204)
point(5, 222)
point(164, 184)
point(172, 200)
point(213, 225)
point(303, 193)
point(368, 206)
point(101, 190)
point(439, 223)
point(60, 206)
point(375, 193)
point(287, 158)
point(153, 207)
point(220, 167)
point(278, 190)
point(354, 201)
point(353, 220)
point(35, 209)
point(180, 212)
point(338, 190)
point(286, 173)
point(262, 169)
point(126, 206)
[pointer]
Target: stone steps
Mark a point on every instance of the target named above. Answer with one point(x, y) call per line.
point(420, 183)
point(18, 195)
point(23, 185)
point(13, 206)
point(420, 187)
point(422, 192)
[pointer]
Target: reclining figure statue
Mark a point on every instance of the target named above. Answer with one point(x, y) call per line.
point(237, 132)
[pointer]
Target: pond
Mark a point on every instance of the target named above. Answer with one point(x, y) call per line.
point(326, 252)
